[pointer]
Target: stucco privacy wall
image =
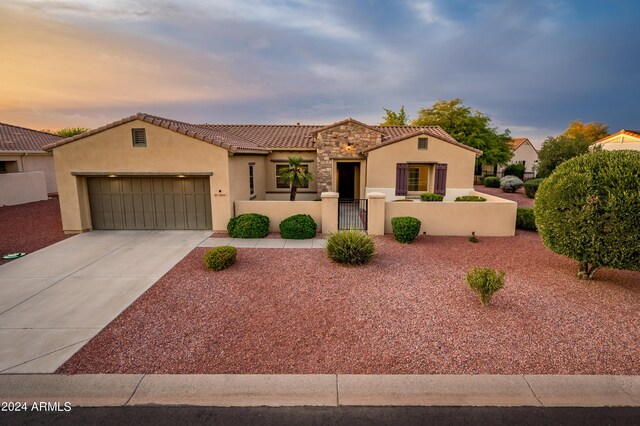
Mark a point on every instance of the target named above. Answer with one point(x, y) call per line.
point(34, 162)
point(496, 217)
point(112, 151)
point(277, 211)
point(21, 188)
point(381, 164)
point(281, 157)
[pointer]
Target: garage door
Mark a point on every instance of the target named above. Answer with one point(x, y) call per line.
point(150, 202)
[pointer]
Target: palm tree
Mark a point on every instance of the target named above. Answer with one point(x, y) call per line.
point(295, 175)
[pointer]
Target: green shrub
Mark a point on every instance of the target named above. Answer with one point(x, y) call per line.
point(472, 198)
point(473, 238)
point(492, 182)
point(427, 196)
point(515, 170)
point(219, 258)
point(510, 183)
point(526, 219)
point(531, 187)
point(248, 225)
point(405, 228)
point(589, 210)
point(350, 247)
point(298, 227)
point(485, 282)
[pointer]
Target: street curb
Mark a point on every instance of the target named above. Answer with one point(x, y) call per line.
point(329, 390)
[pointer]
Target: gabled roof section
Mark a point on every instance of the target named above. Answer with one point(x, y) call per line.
point(397, 131)
point(517, 143)
point(349, 121)
point(632, 133)
point(420, 132)
point(15, 138)
point(219, 138)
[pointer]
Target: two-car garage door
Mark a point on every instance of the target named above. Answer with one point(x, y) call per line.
point(150, 202)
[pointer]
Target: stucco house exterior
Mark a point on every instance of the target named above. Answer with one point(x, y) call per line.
point(624, 139)
point(523, 153)
point(148, 172)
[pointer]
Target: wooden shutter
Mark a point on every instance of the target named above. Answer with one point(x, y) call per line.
point(440, 184)
point(402, 170)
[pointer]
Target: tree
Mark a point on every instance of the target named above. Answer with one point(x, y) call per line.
point(67, 132)
point(591, 132)
point(557, 150)
point(297, 175)
point(589, 210)
point(469, 127)
point(395, 118)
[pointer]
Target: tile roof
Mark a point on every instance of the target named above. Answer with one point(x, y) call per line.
point(14, 138)
point(634, 133)
point(517, 143)
point(417, 131)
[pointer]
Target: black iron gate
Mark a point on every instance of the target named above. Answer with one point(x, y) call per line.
point(352, 214)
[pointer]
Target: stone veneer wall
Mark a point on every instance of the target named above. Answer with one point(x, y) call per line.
point(331, 143)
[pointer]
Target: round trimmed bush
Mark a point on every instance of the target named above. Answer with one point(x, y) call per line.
point(471, 198)
point(531, 187)
point(492, 182)
point(248, 225)
point(428, 196)
point(510, 183)
point(405, 228)
point(589, 210)
point(350, 247)
point(526, 219)
point(298, 227)
point(219, 258)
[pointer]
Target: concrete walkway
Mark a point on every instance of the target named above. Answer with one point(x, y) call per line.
point(264, 243)
point(324, 390)
point(54, 300)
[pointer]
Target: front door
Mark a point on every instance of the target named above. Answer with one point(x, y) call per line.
point(347, 180)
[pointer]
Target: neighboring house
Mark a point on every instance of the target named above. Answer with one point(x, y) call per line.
point(624, 139)
point(147, 172)
point(523, 153)
point(21, 150)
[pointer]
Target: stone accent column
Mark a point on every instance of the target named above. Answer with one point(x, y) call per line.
point(375, 213)
point(329, 212)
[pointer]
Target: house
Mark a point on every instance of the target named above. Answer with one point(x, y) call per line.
point(523, 153)
point(148, 172)
point(624, 139)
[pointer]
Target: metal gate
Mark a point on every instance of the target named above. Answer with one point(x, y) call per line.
point(352, 214)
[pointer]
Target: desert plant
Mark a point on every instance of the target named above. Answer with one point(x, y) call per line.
point(428, 196)
point(248, 225)
point(296, 175)
point(298, 227)
point(526, 219)
point(473, 238)
point(492, 182)
point(472, 198)
point(531, 187)
point(405, 228)
point(589, 210)
point(350, 247)
point(516, 169)
point(485, 282)
point(510, 183)
point(219, 258)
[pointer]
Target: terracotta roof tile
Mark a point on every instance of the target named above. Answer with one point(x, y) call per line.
point(271, 135)
point(628, 132)
point(418, 132)
point(517, 143)
point(14, 138)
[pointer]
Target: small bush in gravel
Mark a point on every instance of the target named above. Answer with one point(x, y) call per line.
point(510, 183)
point(350, 247)
point(485, 282)
point(492, 182)
point(298, 227)
point(526, 219)
point(473, 238)
point(531, 187)
point(248, 225)
point(427, 196)
point(517, 170)
point(219, 258)
point(405, 228)
point(472, 198)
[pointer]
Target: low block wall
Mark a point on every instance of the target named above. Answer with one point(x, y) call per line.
point(494, 218)
point(21, 188)
point(277, 211)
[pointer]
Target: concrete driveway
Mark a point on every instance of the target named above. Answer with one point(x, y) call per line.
point(55, 300)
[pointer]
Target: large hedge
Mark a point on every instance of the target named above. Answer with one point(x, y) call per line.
point(531, 187)
point(248, 225)
point(589, 210)
point(516, 169)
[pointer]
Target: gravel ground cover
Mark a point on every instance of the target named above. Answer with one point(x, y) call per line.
point(519, 196)
point(29, 227)
point(408, 311)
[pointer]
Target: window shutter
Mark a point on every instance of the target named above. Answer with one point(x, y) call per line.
point(401, 178)
point(440, 184)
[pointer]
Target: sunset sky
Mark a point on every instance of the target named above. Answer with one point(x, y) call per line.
point(533, 66)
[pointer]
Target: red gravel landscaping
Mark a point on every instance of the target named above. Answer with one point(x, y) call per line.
point(408, 311)
point(29, 227)
point(519, 196)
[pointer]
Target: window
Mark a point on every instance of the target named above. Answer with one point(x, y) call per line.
point(282, 185)
point(139, 137)
point(252, 188)
point(418, 177)
point(422, 143)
